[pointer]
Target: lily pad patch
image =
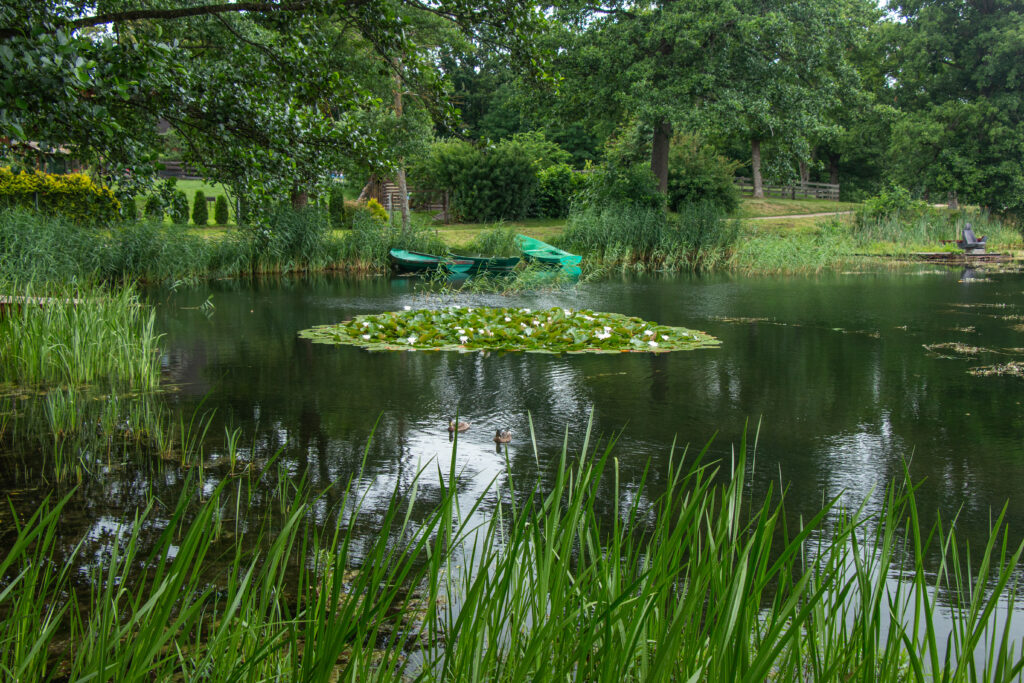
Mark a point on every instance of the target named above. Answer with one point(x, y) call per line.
point(552, 330)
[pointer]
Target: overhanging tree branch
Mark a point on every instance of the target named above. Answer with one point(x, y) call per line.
point(174, 13)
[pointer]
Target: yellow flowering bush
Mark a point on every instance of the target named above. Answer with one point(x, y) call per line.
point(73, 195)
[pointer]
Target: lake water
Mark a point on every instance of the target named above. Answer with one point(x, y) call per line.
point(830, 372)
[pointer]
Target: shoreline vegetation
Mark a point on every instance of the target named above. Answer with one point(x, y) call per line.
point(698, 583)
point(617, 238)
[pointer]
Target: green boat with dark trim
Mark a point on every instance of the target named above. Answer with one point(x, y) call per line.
point(489, 264)
point(418, 262)
point(542, 252)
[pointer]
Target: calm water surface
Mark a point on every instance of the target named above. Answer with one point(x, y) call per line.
point(830, 373)
point(833, 368)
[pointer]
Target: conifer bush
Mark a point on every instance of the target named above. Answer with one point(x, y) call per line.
point(220, 211)
point(200, 213)
point(179, 208)
point(154, 208)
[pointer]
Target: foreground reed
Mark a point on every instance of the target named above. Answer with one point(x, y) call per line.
point(584, 579)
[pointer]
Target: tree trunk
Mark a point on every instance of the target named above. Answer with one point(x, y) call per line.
point(954, 201)
point(755, 168)
point(833, 169)
point(300, 198)
point(659, 153)
point(403, 190)
point(805, 174)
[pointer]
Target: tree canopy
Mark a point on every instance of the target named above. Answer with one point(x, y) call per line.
point(263, 95)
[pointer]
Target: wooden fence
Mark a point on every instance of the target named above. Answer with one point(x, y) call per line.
point(179, 170)
point(799, 191)
point(420, 199)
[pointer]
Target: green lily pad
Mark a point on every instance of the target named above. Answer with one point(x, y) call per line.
point(554, 330)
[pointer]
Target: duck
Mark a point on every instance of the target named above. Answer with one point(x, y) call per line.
point(502, 435)
point(457, 426)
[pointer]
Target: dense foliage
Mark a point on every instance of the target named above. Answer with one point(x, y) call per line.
point(555, 330)
point(75, 196)
point(486, 183)
point(696, 173)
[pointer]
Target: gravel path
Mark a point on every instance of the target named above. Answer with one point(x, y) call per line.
point(800, 215)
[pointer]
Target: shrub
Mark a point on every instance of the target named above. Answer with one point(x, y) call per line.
point(72, 195)
point(179, 207)
point(894, 201)
point(485, 184)
point(697, 174)
point(377, 211)
point(154, 208)
point(200, 213)
point(613, 185)
point(221, 215)
point(556, 187)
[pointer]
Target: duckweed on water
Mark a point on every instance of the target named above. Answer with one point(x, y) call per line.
point(554, 330)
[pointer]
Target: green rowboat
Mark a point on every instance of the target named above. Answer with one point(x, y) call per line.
point(542, 252)
point(489, 264)
point(417, 262)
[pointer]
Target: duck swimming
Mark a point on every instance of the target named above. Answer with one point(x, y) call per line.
point(457, 426)
point(502, 435)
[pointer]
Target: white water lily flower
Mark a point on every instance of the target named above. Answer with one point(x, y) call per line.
point(603, 335)
point(525, 310)
point(588, 318)
point(406, 308)
point(366, 323)
point(649, 333)
point(366, 336)
point(508, 319)
point(566, 311)
point(652, 343)
point(463, 339)
point(411, 340)
point(664, 337)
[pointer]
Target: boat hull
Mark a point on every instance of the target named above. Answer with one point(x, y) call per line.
point(493, 264)
point(542, 252)
point(416, 262)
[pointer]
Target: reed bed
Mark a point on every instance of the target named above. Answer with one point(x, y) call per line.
point(585, 578)
point(643, 239)
point(921, 231)
point(366, 246)
point(74, 336)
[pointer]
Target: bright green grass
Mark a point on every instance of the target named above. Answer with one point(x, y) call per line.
point(189, 187)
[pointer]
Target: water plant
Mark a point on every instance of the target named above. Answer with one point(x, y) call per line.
point(554, 330)
point(530, 581)
point(74, 336)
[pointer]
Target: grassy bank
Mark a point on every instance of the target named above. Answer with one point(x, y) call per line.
point(699, 583)
point(625, 239)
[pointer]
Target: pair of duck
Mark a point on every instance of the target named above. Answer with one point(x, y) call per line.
point(500, 435)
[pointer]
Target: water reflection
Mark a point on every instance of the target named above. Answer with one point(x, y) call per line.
point(832, 368)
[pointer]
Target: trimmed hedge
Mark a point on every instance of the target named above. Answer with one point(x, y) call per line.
point(200, 212)
point(179, 208)
point(74, 196)
point(220, 211)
